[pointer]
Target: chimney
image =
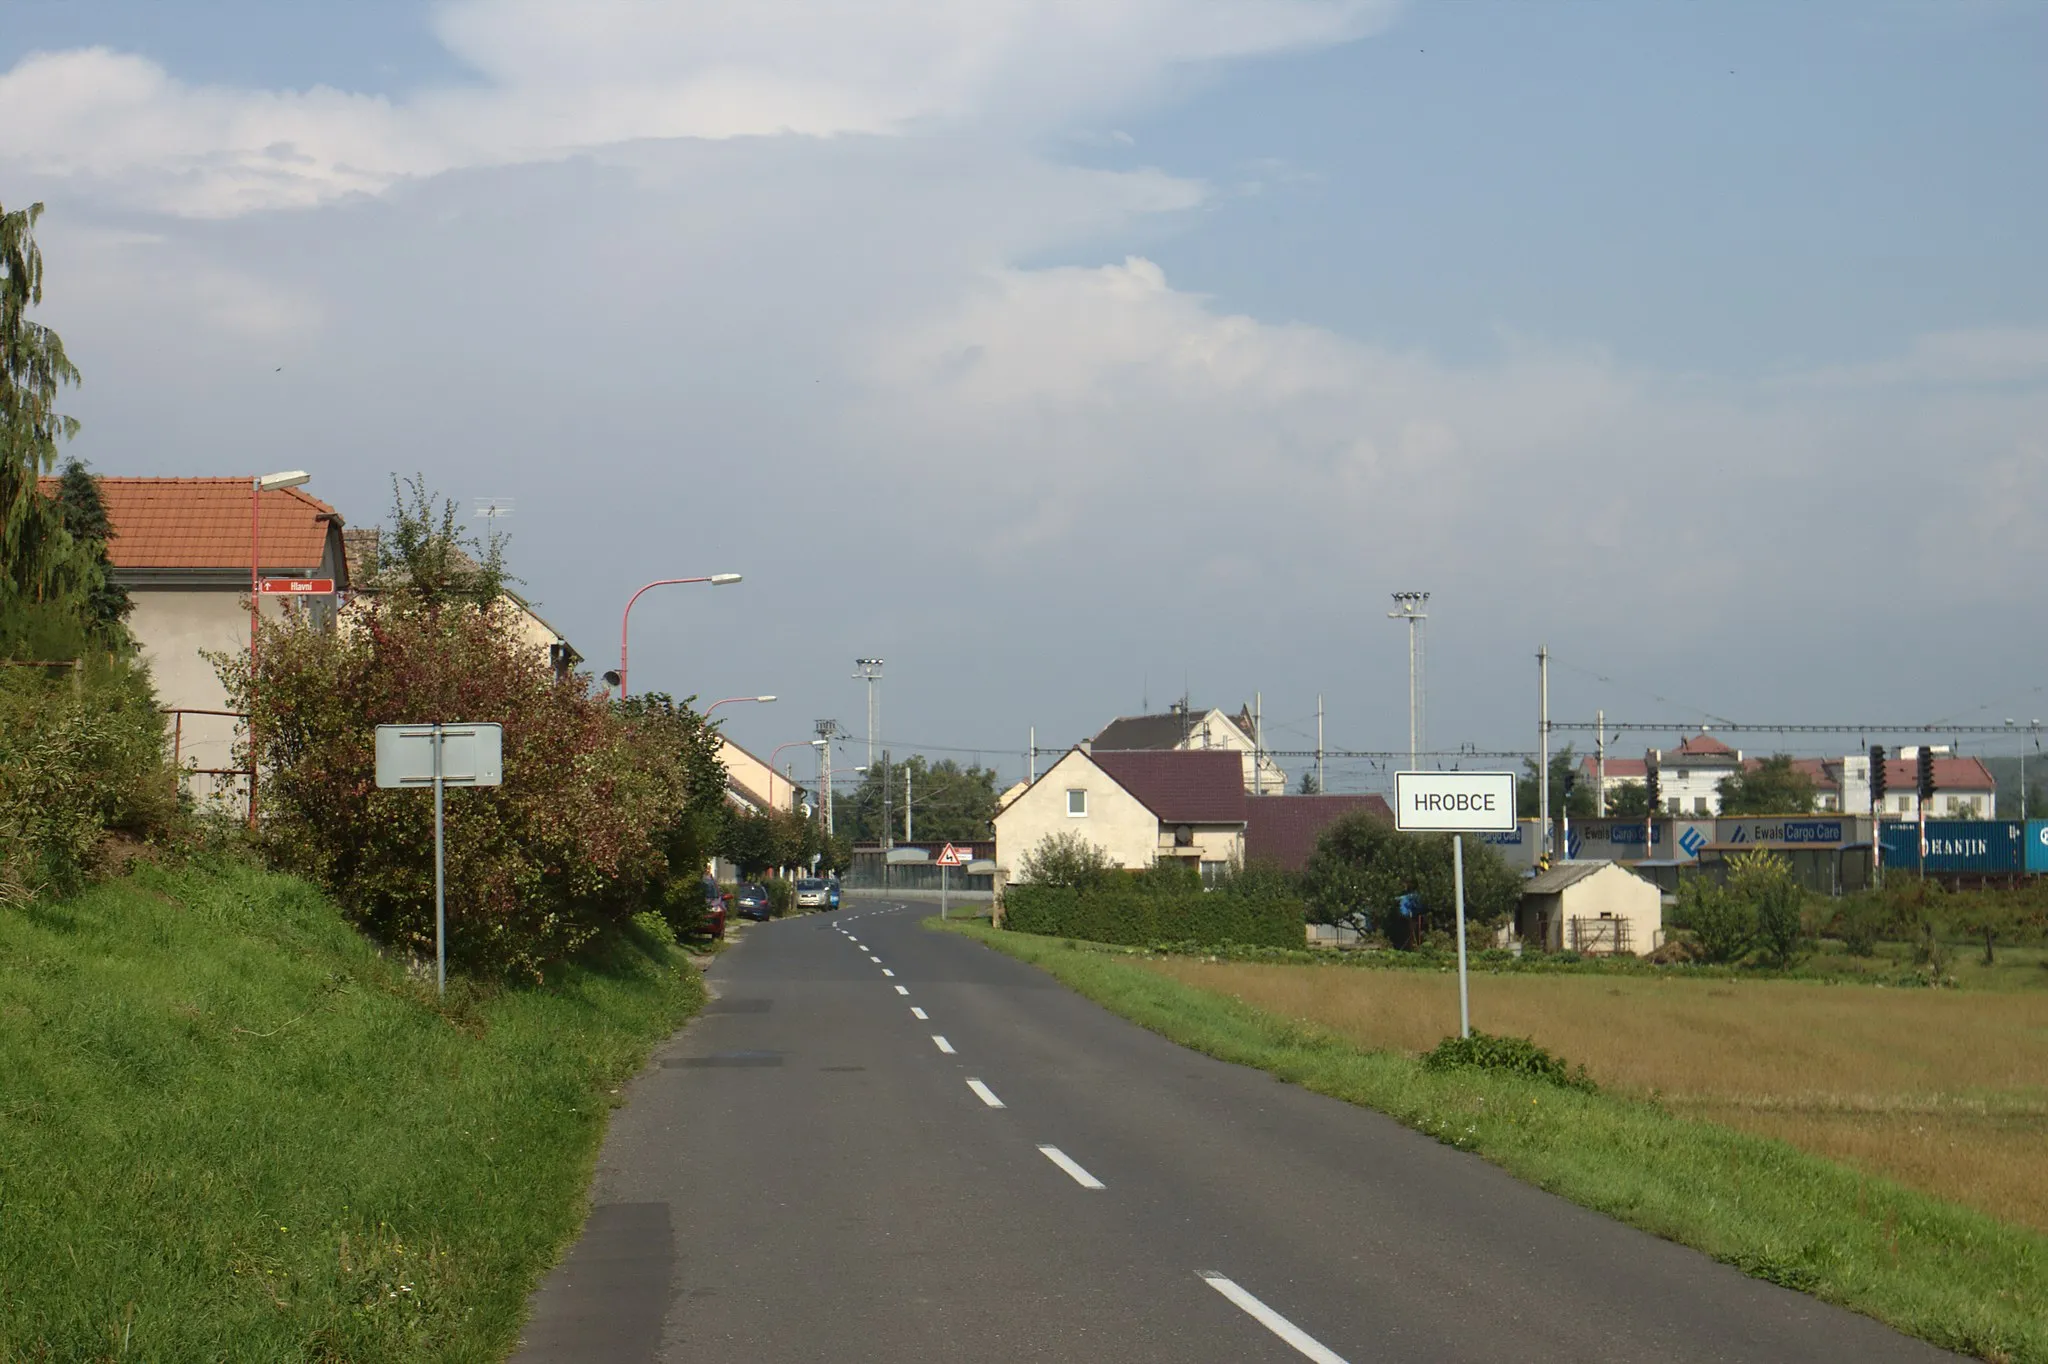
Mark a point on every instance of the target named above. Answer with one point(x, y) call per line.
point(1087, 745)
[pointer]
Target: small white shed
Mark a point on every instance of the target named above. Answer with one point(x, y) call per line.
point(1593, 907)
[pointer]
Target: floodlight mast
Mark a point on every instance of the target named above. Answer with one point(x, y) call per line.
point(1412, 607)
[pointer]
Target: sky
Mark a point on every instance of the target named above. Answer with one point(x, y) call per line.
point(1075, 354)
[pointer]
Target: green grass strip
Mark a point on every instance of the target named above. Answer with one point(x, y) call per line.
point(1946, 1274)
point(230, 1130)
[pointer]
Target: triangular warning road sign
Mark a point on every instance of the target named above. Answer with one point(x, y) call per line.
point(952, 857)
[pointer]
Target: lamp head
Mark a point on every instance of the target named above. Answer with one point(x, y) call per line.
point(724, 579)
point(291, 478)
point(764, 699)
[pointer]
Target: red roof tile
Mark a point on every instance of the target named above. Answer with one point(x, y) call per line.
point(204, 523)
point(1702, 746)
point(1902, 775)
point(1198, 786)
point(1282, 830)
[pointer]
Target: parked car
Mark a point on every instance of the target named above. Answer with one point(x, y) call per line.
point(713, 923)
point(812, 893)
point(750, 901)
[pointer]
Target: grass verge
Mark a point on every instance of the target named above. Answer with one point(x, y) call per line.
point(1947, 1274)
point(229, 1130)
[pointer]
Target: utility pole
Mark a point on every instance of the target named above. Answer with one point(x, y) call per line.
point(1031, 758)
point(826, 729)
point(1322, 782)
point(1600, 767)
point(1412, 607)
point(1543, 745)
point(1258, 745)
point(888, 832)
point(908, 837)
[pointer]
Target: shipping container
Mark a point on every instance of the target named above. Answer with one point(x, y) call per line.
point(1972, 846)
point(2037, 845)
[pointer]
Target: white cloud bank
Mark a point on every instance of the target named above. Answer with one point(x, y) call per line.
point(748, 334)
point(556, 78)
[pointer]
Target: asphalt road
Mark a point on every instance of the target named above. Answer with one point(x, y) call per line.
point(883, 1143)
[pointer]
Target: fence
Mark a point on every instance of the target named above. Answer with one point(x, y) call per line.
point(178, 714)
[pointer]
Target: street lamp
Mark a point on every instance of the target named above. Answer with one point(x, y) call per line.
point(730, 699)
point(260, 484)
point(715, 579)
point(775, 752)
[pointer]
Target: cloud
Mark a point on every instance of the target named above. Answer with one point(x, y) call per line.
point(556, 78)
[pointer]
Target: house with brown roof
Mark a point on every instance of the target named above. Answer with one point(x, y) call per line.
point(1281, 831)
point(182, 548)
point(1182, 728)
point(1137, 806)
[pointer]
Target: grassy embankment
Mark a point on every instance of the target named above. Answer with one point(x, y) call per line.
point(229, 1130)
point(1949, 1274)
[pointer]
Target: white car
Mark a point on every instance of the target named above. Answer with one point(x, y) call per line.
point(812, 893)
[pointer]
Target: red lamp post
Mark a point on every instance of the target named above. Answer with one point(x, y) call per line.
point(626, 616)
point(260, 484)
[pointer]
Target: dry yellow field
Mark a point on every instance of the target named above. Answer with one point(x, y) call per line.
point(1944, 1090)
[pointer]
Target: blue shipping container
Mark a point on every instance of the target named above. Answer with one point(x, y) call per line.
point(2037, 845)
point(1965, 845)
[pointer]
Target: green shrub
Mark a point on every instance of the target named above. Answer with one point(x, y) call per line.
point(1066, 861)
point(781, 896)
point(1858, 922)
point(1134, 913)
point(1515, 1055)
point(76, 760)
point(1721, 922)
point(1764, 879)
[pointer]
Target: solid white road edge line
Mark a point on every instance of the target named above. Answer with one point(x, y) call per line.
point(1066, 1162)
point(903, 989)
point(918, 1013)
point(985, 1094)
point(942, 1044)
point(1302, 1341)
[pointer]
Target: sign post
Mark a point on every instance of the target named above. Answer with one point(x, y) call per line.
point(949, 858)
point(1456, 803)
point(441, 756)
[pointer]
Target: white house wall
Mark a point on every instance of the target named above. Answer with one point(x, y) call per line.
point(1116, 822)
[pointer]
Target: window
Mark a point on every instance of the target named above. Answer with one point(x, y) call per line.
point(1905, 805)
point(1699, 805)
point(1677, 805)
point(1077, 804)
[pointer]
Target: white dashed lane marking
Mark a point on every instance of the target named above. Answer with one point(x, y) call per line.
point(1067, 1163)
point(903, 989)
point(887, 972)
point(985, 1094)
point(917, 1013)
point(942, 1044)
point(1302, 1341)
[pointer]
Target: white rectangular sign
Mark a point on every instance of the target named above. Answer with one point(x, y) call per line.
point(471, 755)
point(1454, 802)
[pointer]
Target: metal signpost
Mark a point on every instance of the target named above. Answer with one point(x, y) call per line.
point(1456, 803)
point(440, 756)
point(949, 858)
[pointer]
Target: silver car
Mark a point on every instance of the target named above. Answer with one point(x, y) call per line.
point(812, 893)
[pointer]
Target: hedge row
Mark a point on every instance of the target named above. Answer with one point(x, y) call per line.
point(1138, 916)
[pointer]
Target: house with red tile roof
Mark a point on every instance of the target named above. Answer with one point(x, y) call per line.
point(182, 547)
point(362, 547)
point(1964, 787)
point(1138, 806)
